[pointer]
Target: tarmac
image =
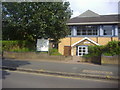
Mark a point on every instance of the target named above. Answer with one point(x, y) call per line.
point(63, 68)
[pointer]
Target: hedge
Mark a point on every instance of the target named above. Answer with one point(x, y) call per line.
point(17, 46)
point(54, 51)
point(112, 48)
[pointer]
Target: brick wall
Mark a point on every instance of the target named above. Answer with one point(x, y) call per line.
point(69, 41)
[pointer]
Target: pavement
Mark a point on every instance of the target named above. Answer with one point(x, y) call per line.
point(64, 68)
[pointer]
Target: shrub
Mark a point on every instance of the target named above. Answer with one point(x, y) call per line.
point(107, 54)
point(7, 45)
point(17, 46)
point(53, 51)
point(94, 51)
point(20, 50)
point(112, 48)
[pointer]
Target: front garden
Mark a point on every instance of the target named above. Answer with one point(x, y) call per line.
point(104, 52)
point(97, 54)
point(25, 46)
point(111, 49)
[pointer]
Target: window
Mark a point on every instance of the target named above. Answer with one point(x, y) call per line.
point(82, 50)
point(87, 30)
point(70, 32)
point(107, 30)
point(119, 32)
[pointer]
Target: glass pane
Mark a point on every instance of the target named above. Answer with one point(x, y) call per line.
point(87, 30)
point(70, 28)
point(83, 53)
point(107, 29)
point(78, 34)
point(79, 47)
point(83, 32)
point(83, 47)
point(79, 53)
point(94, 33)
point(83, 50)
point(89, 33)
point(107, 32)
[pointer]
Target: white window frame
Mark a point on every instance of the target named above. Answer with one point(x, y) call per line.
point(82, 48)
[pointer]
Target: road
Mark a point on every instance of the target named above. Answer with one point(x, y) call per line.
point(64, 67)
point(16, 79)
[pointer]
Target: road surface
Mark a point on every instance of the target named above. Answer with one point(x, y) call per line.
point(16, 79)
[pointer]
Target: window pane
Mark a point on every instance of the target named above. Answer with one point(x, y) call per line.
point(107, 30)
point(87, 30)
point(94, 32)
point(83, 32)
point(78, 32)
point(70, 32)
point(79, 47)
point(79, 53)
point(83, 53)
point(83, 50)
point(83, 47)
point(79, 50)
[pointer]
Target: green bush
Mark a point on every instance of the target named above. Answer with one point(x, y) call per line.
point(94, 51)
point(112, 48)
point(20, 50)
point(8, 45)
point(17, 46)
point(42, 52)
point(107, 54)
point(53, 51)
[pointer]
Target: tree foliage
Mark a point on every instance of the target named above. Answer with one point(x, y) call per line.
point(33, 20)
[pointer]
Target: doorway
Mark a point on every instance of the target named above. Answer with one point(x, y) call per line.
point(67, 51)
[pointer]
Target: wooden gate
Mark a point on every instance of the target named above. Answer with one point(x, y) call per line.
point(67, 51)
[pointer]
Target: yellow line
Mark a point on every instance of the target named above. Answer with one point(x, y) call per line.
point(107, 81)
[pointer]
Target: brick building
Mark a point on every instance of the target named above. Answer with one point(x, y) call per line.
point(87, 29)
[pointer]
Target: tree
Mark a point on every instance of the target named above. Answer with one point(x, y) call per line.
point(33, 20)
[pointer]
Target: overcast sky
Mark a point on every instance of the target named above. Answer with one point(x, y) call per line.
point(102, 7)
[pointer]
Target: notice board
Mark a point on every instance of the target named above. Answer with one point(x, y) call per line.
point(42, 44)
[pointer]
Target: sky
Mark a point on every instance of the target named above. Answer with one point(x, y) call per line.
point(102, 7)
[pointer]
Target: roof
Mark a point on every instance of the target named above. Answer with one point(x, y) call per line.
point(89, 13)
point(90, 17)
point(86, 38)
